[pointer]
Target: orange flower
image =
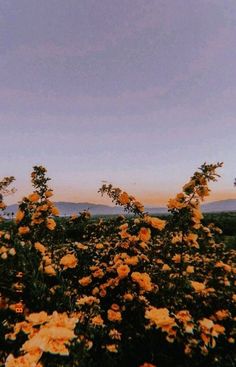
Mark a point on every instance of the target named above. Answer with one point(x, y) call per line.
point(197, 286)
point(133, 260)
point(34, 197)
point(48, 193)
point(123, 271)
point(85, 281)
point(69, 261)
point(51, 224)
point(19, 216)
point(49, 270)
point(160, 317)
point(156, 222)
point(55, 211)
point(114, 315)
point(97, 320)
point(41, 248)
point(23, 230)
point(124, 198)
point(147, 365)
point(190, 269)
point(143, 279)
point(144, 234)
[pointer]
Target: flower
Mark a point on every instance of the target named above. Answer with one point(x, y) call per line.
point(197, 286)
point(143, 279)
point(85, 281)
point(41, 248)
point(124, 198)
point(114, 315)
point(50, 224)
point(34, 197)
point(48, 193)
point(49, 270)
point(144, 234)
point(23, 230)
point(69, 261)
point(123, 271)
point(160, 317)
point(190, 269)
point(97, 320)
point(156, 222)
point(55, 211)
point(19, 216)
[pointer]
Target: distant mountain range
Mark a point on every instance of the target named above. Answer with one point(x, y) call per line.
point(68, 208)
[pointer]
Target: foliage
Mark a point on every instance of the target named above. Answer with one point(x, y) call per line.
point(137, 291)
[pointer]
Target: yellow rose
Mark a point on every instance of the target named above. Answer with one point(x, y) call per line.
point(114, 315)
point(85, 281)
point(69, 261)
point(144, 234)
point(49, 270)
point(55, 211)
point(48, 193)
point(51, 224)
point(34, 197)
point(123, 271)
point(19, 216)
point(156, 222)
point(23, 230)
point(41, 248)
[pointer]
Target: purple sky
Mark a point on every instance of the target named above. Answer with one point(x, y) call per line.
point(138, 93)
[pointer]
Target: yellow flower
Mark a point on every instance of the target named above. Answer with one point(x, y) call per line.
point(48, 193)
point(34, 197)
point(69, 261)
point(55, 211)
point(156, 222)
point(114, 315)
point(222, 314)
point(49, 270)
point(176, 258)
point(23, 230)
point(37, 318)
point(97, 320)
point(166, 267)
point(190, 269)
point(133, 260)
point(160, 317)
point(123, 271)
point(85, 281)
point(144, 234)
point(19, 216)
point(143, 279)
point(128, 297)
point(51, 224)
point(197, 286)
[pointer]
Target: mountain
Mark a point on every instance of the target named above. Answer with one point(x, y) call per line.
point(68, 208)
point(228, 205)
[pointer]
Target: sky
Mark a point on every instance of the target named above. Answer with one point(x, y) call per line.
point(138, 93)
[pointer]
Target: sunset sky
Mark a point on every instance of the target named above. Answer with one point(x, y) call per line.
point(136, 93)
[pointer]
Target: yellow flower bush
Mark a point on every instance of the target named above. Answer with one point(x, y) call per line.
point(137, 291)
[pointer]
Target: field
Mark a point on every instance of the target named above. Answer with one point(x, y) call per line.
point(135, 291)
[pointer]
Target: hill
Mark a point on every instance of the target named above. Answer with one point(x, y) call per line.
point(68, 208)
